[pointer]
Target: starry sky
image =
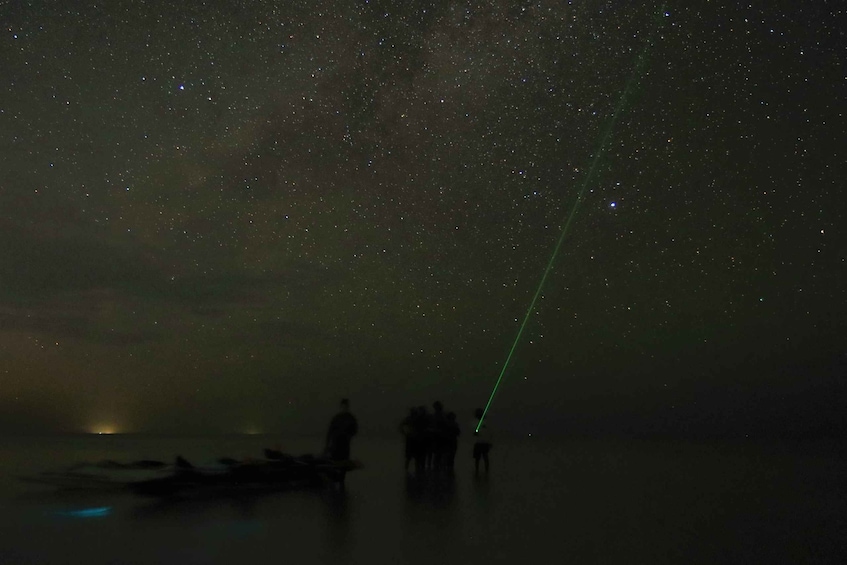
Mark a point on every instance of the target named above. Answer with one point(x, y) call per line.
point(223, 217)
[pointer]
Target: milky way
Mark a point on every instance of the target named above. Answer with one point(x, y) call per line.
point(222, 218)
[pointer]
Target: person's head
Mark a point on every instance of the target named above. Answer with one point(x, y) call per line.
point(345, 405)
point(437, 406)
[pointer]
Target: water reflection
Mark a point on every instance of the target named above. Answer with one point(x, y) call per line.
point(482, 492)
point(437, 490)
point(197, 507)
point(337, 508)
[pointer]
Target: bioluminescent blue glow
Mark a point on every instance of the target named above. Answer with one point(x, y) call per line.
point(94, 512)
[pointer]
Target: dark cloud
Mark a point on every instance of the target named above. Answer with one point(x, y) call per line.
point(45, 260)
point(37, 414)
point(84, 320)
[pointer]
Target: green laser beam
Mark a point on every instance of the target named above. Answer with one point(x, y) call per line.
point(604, 141)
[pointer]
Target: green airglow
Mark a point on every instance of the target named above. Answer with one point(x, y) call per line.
point(604, 142)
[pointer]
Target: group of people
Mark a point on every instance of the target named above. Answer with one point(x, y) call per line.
point(432, 439)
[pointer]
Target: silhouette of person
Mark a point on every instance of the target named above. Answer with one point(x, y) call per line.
point(408, 429)
point(451, 443)
point(482, 445)
point(422, 439)
point(341, 430)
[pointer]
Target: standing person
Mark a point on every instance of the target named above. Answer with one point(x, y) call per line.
point(482, 445)
point(407, 428)
point(424, 441)
point(341, 430)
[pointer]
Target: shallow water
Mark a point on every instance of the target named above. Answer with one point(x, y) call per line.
point(582, 501)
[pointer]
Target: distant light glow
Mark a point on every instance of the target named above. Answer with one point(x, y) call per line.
point(613, 204)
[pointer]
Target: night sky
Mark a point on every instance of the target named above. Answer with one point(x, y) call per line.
point(223, 217)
